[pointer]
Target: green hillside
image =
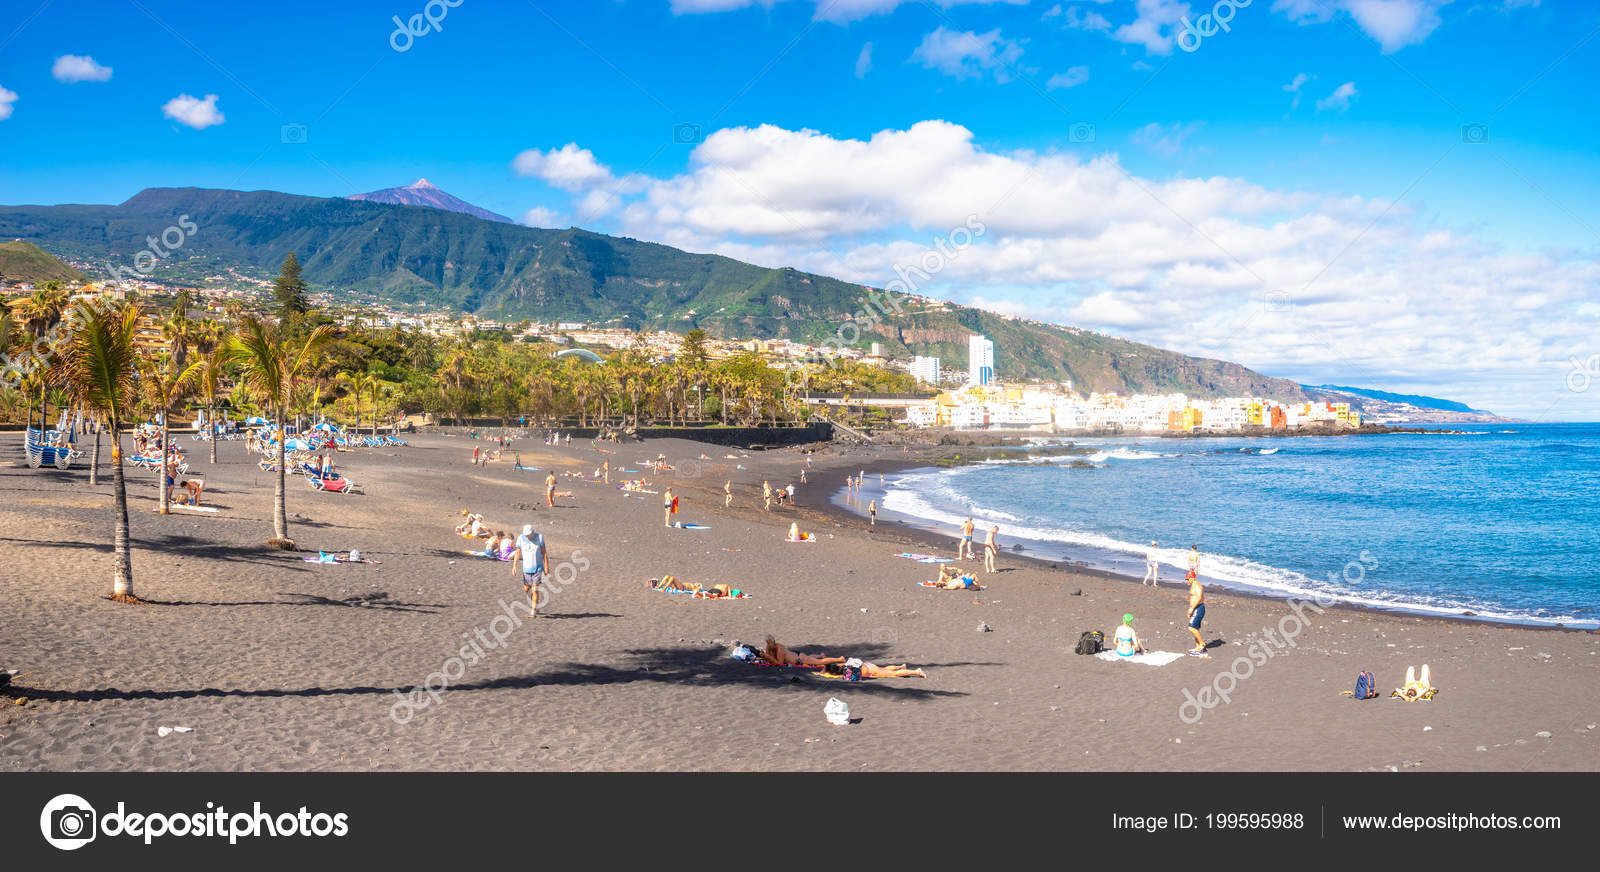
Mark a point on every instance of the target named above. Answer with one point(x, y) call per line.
point(416, 254)
point(22, 261)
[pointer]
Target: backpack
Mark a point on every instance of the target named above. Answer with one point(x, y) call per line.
point(1366, 685)
point(1091, 642)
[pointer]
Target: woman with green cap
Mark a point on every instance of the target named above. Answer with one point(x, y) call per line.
point(1126, 640)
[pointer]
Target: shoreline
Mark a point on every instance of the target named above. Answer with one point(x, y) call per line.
point(944, 543)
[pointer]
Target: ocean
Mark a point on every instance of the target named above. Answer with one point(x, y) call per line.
point(1501, 523)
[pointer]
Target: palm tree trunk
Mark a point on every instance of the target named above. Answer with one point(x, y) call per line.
point(211, 421)
point(280, 518)
point(94, 458)
point(122, 562)
point(162, 476)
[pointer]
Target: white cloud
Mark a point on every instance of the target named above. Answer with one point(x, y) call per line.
point(569, 167)
point(835, 11)
point(1182, 263)
point(1165, 139)
point(1075, 18)
point(965, 54)
point(1294, 88)
point(1395, 24)
point(1340, 98)
point(7, 97)
point(1155, 25)
point(193, 111)
point(541, 216)
point(79, 68)
point(1072, 78)
point(864, 61)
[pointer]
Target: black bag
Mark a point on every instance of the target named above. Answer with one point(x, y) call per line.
point(1091, 642)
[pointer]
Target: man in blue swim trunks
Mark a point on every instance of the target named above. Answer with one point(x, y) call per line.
point(1197, 613)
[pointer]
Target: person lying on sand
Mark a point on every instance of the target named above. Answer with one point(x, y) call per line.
point(951, 578)
point(873, 670)
point(671, 582)
point(778, 655)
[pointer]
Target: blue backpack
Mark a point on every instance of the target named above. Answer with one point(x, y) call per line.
point(1366, 685)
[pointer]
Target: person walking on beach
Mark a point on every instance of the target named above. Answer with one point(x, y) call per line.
point(872, 514)
point(1152, 566)
point(550, 490)
point(790, 491)
point(669, 504)
point(1197, 613)
point(991, 549)
point(766, 495)
point(803, 473)
point(727, 493)
point(530, 560)
point(964, 547)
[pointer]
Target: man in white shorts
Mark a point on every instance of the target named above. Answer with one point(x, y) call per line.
point(1152, 567)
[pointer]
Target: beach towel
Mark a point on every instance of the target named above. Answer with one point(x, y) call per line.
point(190, 508)
point(683, 526)
point(926, 558)
point(806, 538)
point(704, 594)
point(325, 557)
point(1149, 658)
point(489, 556)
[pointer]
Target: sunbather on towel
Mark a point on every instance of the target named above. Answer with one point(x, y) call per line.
point(951, 578)
point(778, 655)
point(873, 670)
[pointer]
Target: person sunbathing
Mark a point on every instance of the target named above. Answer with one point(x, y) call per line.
point(873, 670)
point(951, 578)
point(671, 582)
point(491, 548)
point(778, 655)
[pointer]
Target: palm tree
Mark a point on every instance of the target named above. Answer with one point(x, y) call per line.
point(99, 365)
point(167, 383)
point(178, 330)
point(210, 343)
point(272, 370)
point(37, 316)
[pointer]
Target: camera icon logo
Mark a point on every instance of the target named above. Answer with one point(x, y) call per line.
point(68, 822)
point(1277, 301)
point(293, 134)
point(1083, 131)
point(686, 134)
point(1474, 133)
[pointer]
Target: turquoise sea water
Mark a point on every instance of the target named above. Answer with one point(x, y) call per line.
point(1502, 523)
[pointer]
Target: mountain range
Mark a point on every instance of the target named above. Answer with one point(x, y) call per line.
point(417, 244)
point(24, 262)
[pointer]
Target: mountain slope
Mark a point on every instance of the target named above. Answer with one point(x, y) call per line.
point(22, 261)
point(510, 272)
point(424, 193)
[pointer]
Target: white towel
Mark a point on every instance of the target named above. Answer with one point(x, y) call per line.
point(1149, 658)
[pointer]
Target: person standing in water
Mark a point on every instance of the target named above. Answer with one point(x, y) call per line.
point(1197, 613)
point(991, 549)
point(1152, 567)
point(1194, 559)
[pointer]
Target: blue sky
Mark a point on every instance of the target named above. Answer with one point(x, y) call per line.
point(1128, 185)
